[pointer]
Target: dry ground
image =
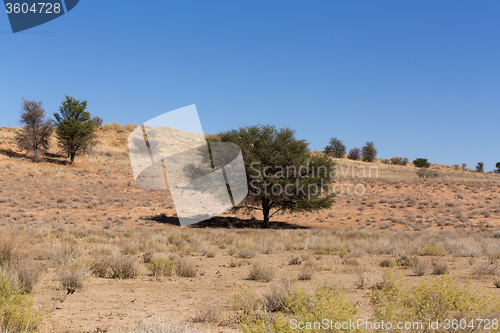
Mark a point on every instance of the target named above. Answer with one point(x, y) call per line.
point(68, 218)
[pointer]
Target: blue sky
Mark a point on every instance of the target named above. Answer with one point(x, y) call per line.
point(418, 78)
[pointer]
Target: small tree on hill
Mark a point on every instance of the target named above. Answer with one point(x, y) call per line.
point(336, 148)
point(369, 152)
point(354, 154)
point(36, 130)
point(74, 127)
point(464, 165)
point(421, 163)
point(498, 167)
point(480, 167)
point(282, 173)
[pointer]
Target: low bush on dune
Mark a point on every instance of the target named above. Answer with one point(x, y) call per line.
point(440, 299)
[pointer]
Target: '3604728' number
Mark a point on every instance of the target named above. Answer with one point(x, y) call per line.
point(41, 7)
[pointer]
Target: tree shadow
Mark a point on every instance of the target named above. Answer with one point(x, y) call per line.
point(47, 157)
point(239, 223)
point(163, 218)
point(12, 154)
point(224, 222)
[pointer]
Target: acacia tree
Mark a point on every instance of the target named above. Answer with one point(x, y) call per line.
point(283, 175)
point(36, 130)
point(74, 127)
point(369, 152)
point(336, 148)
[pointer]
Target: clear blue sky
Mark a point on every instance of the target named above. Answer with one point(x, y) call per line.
point(418, 78)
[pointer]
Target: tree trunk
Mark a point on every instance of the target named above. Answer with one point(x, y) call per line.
point(265, 211)
point(72, 158)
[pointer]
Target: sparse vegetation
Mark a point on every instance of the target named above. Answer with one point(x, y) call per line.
point(36, 130)
point(480, 167)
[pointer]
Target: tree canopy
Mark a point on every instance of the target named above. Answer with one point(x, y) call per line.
point(282, 173)
point(74, 127)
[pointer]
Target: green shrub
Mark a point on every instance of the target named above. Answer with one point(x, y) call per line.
point(433, 250)
point(162, 267)
point(16, 309)
point(336, 148)
point(498, 167)
point(369, 152)
point(441, 299)
point(421, 163)
point(325, 303)
point(480, 167)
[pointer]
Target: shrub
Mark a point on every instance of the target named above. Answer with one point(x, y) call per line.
point(354, 154)
point(420, 267)
point(421, 163)
point(426, 173)
point(498, 167)
point(303, 307)
point(36, 131)
point(130, 127)
point(123, 268)
point(101, 267)
point(464, 165)
point(275, 297)
point(210, 314)
point(439, 268)
point(385, 161)
point(245, 253)
point(261, 272)
point(369, 152)
point(246, 301)
point(28, 272)
point(433, 250)
point(438, 300)
point(161, 267)
point(186, 268)
point(72, 277)
point(336, 148)
point(399, 161)
point(16, 310)
point(480, 167)
point(387, 263)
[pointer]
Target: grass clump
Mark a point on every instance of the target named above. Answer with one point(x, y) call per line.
point(186, 268)
point(261, 272)
point(433, 250)
point(300, 306)
point(441, 299)
point(16, 309)
point(161, 267)
point(123, 267)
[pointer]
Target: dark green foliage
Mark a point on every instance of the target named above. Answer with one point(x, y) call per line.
point(354, 154)
point(74, 127)
point(276, 182)
point(336, 148)
point(369, 152)
point(498, 167)
point(480, 167)
point(421, 163)
point(36, 131)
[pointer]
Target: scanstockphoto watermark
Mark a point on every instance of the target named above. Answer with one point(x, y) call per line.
point(261, 176)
